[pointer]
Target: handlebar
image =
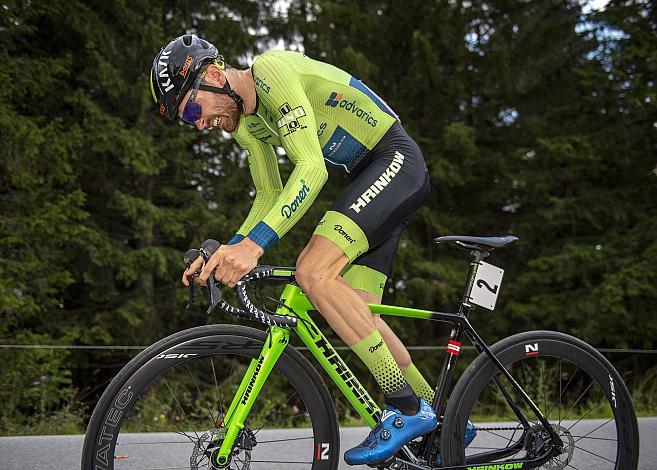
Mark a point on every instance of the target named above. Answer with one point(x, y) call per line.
point(248, 310)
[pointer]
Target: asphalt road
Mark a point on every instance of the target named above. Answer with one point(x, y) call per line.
point(286, 446)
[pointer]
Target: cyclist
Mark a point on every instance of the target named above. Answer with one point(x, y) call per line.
point(317, 113)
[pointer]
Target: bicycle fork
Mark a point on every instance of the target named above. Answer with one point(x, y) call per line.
point(252, 382)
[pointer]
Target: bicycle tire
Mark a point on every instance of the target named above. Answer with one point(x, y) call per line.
point(527, 351)
point(229, 344)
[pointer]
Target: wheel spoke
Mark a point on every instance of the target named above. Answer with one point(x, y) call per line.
point(283, 420)
point(216, 387)
point(591, 432)
point(282, 461)
point(284, 440)
point(578, 399)
point(524, 370)
point(276, 410)
point(164, 468)
point(511, 438)
point(243, 462)
point(163, 412)
point(498, 392)
point(597, 455)
point(559, 410)
point(175, 398)
point(200, 395)
point(594, 438)
point(563, 391)
point(494, 434)
point(483, 448)
point(493, 408)
point(230, 375)
point(126, 444)
point(586, 414)
point(542, 373)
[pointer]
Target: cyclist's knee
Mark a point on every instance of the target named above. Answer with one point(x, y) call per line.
point(308, 276)
point(320, 261)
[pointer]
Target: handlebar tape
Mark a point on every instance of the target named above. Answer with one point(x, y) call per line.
point(248, 310)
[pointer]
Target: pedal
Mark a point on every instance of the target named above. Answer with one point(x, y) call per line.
point(382, 465)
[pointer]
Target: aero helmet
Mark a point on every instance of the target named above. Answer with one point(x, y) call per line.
point(175, 69)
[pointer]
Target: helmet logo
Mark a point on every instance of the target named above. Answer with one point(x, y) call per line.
point(185, 67)
point(163, 73)
point(162, 109)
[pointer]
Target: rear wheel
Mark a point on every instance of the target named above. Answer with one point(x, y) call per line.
point(165, 408)
point(574, 386)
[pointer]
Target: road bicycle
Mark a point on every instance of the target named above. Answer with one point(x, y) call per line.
point(233, 397)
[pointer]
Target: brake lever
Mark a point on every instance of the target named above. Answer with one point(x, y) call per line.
point(192, 294)
point(214, 293)
point(190, 257)
point(208, 247)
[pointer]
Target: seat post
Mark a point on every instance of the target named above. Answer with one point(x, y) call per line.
point(475, 256)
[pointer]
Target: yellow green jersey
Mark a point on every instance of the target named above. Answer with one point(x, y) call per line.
point(318, 113)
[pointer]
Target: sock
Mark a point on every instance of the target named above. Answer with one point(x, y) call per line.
point(420, 386)
point(405, 400)
point(373, 351)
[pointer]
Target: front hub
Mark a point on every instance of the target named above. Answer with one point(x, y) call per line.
point(244, 443)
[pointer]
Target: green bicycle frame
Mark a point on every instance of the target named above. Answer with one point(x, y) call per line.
point(296, 303)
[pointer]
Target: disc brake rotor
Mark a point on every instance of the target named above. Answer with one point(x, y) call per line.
point(202, 450)
point(209, 443)
point(563, 459)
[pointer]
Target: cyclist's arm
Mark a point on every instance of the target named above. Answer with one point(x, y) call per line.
point(263, 166)
point(287, 101)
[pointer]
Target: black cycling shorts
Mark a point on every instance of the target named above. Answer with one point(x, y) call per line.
point(367, 219)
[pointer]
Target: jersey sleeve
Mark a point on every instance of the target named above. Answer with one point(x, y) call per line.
point(285, 99)
point(263, 166)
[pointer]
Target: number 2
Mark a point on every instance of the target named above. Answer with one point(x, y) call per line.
point(481, 283)
point(323, 450)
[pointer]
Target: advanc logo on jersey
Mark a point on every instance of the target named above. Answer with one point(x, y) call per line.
point(335, 100)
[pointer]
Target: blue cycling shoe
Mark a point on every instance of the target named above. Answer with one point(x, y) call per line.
point(391, 433)
point(470, 433)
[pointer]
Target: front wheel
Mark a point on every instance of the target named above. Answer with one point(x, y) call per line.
point(574, 386)
point(165, 408)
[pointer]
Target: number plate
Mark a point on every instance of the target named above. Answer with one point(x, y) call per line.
point(486, 285)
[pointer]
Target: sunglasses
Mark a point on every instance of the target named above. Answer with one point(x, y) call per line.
point(193, 111)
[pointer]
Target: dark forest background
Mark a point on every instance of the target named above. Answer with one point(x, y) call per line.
point(536, 118)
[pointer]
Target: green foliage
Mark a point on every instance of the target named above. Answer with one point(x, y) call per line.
point(36, 384)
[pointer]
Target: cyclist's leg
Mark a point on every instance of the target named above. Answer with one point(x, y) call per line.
point(381, 198)
point(319, 276)
point(368, 275)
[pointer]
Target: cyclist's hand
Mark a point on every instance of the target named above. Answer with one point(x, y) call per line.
point(232, 262)
point(196, 264)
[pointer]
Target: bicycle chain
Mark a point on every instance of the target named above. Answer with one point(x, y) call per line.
point(500, 429)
